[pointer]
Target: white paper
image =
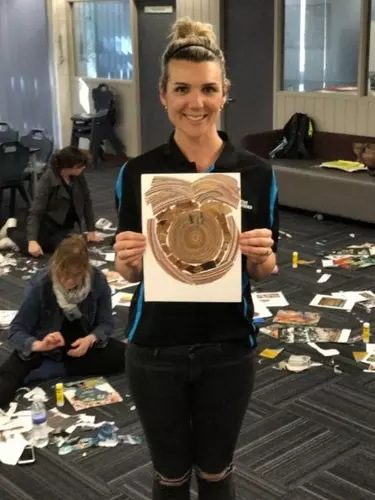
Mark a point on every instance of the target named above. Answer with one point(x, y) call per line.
point(260, 309)
point(6, 317)
point(271, 299)
point(328, 263)
point(122, 299)
point(324, 352)
point(326, 302)
point(160, 285)
point(355, 296)
point(369, 358)
point(324, 278)
point(110, 257)
point(12, 449)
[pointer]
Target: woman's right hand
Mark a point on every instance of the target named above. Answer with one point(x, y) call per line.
point(48, 343)
point(130, 248)
point(35, 249)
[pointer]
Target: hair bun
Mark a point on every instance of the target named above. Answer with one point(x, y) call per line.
point(186, 28)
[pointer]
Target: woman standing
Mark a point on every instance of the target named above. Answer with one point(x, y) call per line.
point(61, 203)
point(65, 323)
point(190, 365)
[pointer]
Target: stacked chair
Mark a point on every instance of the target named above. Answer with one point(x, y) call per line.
point(99, 126)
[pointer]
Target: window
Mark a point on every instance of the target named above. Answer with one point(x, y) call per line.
point(102, 39)
point(371, 65)
point(321, 45)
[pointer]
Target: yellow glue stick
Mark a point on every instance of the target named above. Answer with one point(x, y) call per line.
point(59, 394)
point(366, 332)
point(295, 260)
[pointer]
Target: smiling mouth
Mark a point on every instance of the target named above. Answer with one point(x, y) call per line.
point(195, 118)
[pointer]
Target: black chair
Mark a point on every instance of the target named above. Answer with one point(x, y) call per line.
point(38, 140)
point(14, 159)
point(7, 133)
point(98, 127)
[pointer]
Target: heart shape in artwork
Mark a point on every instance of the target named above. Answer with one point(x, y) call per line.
point(193, 234)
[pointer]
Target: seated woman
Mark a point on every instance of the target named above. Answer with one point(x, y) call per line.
point(65, 318)
point(61, 202)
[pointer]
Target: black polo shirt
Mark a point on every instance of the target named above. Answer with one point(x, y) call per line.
point(160, 324)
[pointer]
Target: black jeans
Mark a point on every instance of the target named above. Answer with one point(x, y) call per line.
point(97, 361)
point(191, 401)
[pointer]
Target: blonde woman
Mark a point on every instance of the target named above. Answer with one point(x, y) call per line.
point(64, 324)
point(190, 365)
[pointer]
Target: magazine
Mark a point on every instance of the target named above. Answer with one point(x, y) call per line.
point(306, 334)
point(90, 393)
point(346, 166)
point(297, 317)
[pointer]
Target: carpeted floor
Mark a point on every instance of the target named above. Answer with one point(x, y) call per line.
point(306, 436)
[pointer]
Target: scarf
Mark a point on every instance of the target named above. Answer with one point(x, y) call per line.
point(69, 300)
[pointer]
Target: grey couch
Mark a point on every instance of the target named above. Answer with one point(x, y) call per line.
point(302, 184)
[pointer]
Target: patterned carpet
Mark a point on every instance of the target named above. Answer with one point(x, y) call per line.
point(306, 436)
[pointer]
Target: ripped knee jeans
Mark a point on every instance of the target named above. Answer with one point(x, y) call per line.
point(191, 401)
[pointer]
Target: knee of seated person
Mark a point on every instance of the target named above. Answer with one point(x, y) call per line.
point(214, 477)
point(173, 482)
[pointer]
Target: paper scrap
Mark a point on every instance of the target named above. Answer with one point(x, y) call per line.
point(271, 299)
point(270, 353)
point(330, 302)
point(359, 355)
point(324, 352)
point(110, 257)
point(12, 448)
point(324, 278)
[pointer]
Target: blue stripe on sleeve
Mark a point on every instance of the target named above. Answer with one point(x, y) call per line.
point(273, 196)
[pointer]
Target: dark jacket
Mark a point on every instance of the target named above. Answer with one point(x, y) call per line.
point(40, 314)
point(52, 202)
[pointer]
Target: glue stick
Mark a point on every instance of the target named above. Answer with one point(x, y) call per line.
point(59, 394)
point(295, 260)
point(366, 332)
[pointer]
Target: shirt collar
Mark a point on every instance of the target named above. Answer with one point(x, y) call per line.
point(226, 158)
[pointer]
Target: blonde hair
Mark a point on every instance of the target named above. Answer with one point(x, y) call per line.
point(192, 41)
point(71, 253)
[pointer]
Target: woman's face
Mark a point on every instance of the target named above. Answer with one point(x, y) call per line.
point(71, 278)
point(73, 171)
point(194, 96)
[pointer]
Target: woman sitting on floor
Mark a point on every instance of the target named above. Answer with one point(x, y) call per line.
point(61, 202)
point(64, 324)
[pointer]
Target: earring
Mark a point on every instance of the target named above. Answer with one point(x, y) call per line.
point(166, 108)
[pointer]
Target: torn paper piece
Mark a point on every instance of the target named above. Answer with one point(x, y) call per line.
point(260, 310)
point(97, 263)
point(270, 353)
point(12, 448)
point(110, 256)
point(297, 363)
point(290, 317)
point(271, 299)
point(369, 358)
point(359, 355)
point(6, 317)
point(122, 299)
point(324, 278)
point(330, 302)
point(104, 224)
point(324, 352)
point(355, 296)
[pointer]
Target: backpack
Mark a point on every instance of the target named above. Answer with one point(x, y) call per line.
point(296, 139)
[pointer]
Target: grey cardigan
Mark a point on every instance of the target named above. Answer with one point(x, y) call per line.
point(52, 200)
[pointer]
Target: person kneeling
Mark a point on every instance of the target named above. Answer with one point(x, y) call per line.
point(65, 320)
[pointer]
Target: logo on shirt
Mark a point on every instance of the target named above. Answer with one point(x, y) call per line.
point(245, 205)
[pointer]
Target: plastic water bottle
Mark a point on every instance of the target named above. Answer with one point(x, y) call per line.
point(39, 419)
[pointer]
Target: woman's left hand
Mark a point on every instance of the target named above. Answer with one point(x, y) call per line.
point(80, 347)
point(256, 245)
point(94, 237)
